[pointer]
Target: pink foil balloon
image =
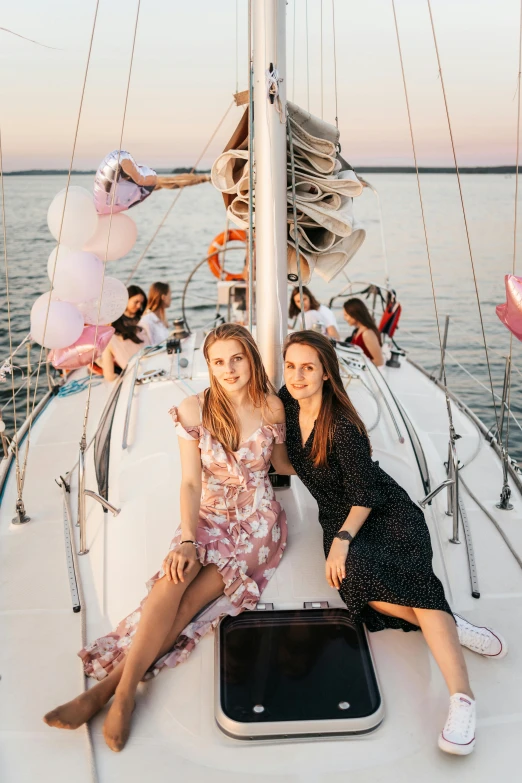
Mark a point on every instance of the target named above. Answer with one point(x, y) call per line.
point(510, 313)
point(84, 350)
point(133, 183)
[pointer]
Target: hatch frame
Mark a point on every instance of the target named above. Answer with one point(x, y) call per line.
point(305, 730)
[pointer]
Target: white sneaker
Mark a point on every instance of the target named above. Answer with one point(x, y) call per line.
point(458, 734)
point(480, 639)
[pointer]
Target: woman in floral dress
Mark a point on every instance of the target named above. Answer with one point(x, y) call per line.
point(230, 541)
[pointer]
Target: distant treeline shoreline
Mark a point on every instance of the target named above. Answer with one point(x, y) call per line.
point(361, 169)
point(61, 172)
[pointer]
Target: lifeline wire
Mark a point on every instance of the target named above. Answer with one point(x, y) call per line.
point(464, 214)
point(59, 239)
point(176, 197)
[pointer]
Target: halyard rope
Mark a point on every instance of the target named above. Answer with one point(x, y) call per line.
point(468, 238)
point(22, 474)
point(91, 367)
point(294, 208)
point(335, 66)
point(176, 198)
point(421, 201)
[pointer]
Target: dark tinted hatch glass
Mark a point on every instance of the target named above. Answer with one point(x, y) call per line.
point(295, 665)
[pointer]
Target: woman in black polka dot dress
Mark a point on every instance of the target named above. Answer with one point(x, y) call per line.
point(376, 542)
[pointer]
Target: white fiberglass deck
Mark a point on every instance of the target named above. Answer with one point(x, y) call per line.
point(174, 732)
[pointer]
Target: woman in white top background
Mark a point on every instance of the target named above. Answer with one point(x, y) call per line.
point(155, 322)
point(314, 313)
point(128, 339)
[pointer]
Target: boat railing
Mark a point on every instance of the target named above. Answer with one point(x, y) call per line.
point(449, 355)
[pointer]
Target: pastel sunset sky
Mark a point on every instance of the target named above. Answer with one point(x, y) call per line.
point(184, 76)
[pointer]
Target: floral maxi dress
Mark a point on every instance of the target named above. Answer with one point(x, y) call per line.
point(241, 529)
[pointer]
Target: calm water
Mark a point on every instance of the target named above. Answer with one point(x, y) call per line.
point(199, 216)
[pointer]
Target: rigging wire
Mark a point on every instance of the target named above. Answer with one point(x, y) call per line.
point(307, 60)
point(250, 236)
point(294, 211)
point(510, 362)
point(91, 366)
point(335, 66)
point(421, 201)
point(321, 52)
point(237, 48)
point(9, 324)
point(73, 152)
point(468, 238)
point(293, 57)
point(176, 197)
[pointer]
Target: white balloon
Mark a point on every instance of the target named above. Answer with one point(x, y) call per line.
point(114, 301)
point(123, 235)
point(78, 277)
point(79, 221)
point(64, 322)
point(64, 251)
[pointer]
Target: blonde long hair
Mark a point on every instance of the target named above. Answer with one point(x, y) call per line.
point(218, 414)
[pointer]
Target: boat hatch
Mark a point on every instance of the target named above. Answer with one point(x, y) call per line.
point(295, 673)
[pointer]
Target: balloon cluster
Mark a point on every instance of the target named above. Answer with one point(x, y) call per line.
point(73, 318)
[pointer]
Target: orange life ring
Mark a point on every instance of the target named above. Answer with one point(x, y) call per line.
point(217, 245)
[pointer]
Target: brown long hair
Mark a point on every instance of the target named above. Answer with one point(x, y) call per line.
point(358, 310)
point(218, 414)
point(294, 310)
point(335, 401)
point(155, 300)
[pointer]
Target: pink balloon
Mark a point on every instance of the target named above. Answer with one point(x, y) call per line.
point(86, 349)
point(133, 183)
point(510, 313)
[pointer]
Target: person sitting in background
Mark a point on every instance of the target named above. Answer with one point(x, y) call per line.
point(155, 322)
point(128, 338)
point(366, 334)
point(314, 313)
point(136, 304)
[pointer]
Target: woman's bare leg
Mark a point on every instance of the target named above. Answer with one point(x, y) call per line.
point(395, 610)
point(441, 636)
point(159, 627)
point(79, 710)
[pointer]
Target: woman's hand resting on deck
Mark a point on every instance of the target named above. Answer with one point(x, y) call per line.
point(336, 562)
point(180, 561)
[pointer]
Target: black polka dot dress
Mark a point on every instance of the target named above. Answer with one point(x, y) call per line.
point(390, 558)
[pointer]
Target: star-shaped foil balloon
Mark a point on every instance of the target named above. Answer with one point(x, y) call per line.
point(510, 313)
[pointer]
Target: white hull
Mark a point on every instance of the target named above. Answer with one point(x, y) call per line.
point(174, 732)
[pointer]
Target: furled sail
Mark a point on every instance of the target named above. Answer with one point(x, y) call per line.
point(322, 183)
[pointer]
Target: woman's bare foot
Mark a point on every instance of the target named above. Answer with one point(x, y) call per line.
point(76, 712)
point(116, 728)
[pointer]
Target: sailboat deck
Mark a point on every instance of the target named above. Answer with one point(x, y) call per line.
point(174, 731)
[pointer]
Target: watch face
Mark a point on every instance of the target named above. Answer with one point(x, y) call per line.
point(344, 535)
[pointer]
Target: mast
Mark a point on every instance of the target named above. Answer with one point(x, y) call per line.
point(269, 42)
